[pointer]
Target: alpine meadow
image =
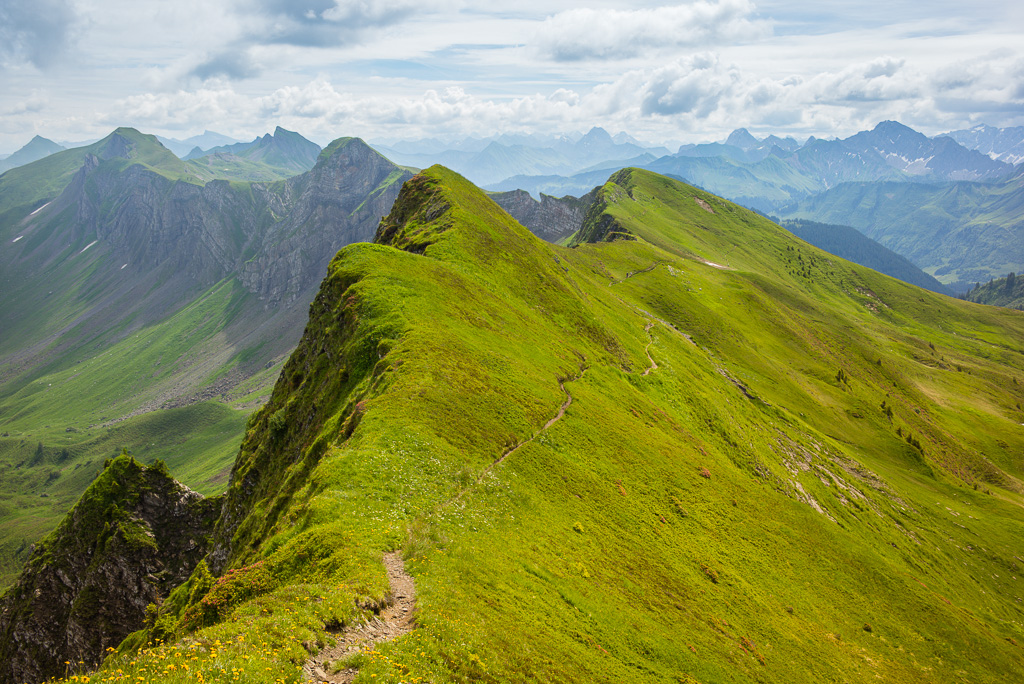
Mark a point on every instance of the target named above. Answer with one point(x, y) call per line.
point(436, 343)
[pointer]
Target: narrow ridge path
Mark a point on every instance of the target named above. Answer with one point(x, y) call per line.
point(557, 417)
point(396, 619)
point(511, 450)
point(633, 273)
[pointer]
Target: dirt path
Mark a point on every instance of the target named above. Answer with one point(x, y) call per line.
point(633, 273)
point(557, 417)
point(511, 450)
point(396, 619)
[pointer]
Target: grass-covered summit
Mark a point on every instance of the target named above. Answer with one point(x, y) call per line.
point(690, 449)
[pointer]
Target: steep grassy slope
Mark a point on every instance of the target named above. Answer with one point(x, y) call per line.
point(692, 448)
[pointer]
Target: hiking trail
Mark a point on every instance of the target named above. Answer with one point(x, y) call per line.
point(396, 619)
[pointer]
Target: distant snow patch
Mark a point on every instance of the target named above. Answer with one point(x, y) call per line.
point(89, 245)
point(16, 239)
point(712, 264)
point(40, 209)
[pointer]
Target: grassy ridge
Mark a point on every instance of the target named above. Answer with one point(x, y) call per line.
point(775, 466)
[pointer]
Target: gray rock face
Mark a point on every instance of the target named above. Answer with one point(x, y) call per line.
point(279, 237)
point(552, 218)
point(134, 535)
point(339, 202)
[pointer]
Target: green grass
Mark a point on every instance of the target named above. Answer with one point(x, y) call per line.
point(961, 233)
point(40, 486)
point(743, 512)
point(85, 408)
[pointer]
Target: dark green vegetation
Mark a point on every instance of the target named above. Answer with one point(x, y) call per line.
point(144, 308)
point(1008, 292)
point(134, 535)
point(692, 448)
point(961, 233)
point(852, 245)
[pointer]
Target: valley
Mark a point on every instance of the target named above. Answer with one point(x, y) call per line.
point(147, 309)
point(758, 451)
point(679, 399)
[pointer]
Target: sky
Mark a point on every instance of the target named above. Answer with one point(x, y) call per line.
point(385, 70)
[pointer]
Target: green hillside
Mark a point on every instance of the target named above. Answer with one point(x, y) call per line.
point(689, 449)
point(1008, 292)
point(961, 233)
point(852, 245)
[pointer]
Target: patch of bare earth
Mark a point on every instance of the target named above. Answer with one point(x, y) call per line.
point(704, 205)
point(396, 619)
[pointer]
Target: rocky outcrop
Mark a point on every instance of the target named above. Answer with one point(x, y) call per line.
point(552, 218)
point(339, 202)
point(170, 237)
point(135, 535)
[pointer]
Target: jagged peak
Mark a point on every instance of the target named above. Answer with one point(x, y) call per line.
point(742, 139)
point(596, 136)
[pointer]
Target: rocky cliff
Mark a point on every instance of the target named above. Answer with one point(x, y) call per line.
point(337, 203)
point(551, 218)
point(135, 534)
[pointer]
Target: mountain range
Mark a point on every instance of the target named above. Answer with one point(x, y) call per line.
point(285, 153)
point(581, 429)
point(117, 248)
point(205, 141)
point(961, 232)
point(1002, 144)
point(688, 447)
point(510, 156)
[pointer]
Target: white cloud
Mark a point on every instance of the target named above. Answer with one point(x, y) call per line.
point(578, 34)
point(691, 85)
point(698, 92)
point(181, 110)
point(304, 24)
point(458, 67)
point(34, 103)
